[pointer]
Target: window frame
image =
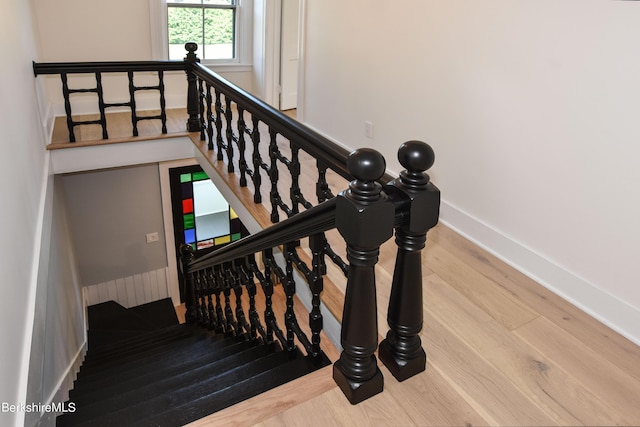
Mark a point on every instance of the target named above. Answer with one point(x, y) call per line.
point(243, 34)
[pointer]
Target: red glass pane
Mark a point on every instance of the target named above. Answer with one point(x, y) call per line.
point(187, 206)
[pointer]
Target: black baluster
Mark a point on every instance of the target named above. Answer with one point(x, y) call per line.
point(221, 321)
point(204, 291)
point(67, 106)
point(132, 101)
point(163, 103)
point(229, 133)
point(186, 256)
point(219, 139)
point(242, 147)
point(210, 289)
point(200, 303)
point(257, 160)
point(228, 309)
point(249, 283)
point(267, 288)
point(401, 350)
point(101, 105)
point(289, 291)
point(274, 176)
point(365, 219)
point(201, 103)
point(317, 243)
point(294, 169)
point(193, 97)
point(210, 119)
point(236, 285)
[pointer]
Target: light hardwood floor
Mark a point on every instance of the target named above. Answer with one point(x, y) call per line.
point(501, 349)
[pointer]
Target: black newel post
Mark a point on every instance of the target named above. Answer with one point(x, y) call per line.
point(189, 292)
point(365, 219)
point(193, 95)
point(401, 351)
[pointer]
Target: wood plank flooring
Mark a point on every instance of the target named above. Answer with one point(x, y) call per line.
point(501, 350)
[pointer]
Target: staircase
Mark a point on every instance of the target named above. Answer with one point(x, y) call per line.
point(143, 368)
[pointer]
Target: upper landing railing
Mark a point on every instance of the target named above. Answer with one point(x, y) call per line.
point(272, 154)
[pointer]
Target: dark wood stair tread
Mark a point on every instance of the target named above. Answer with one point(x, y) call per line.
point(160, 360)
point(220, 399)
point(146, 406)
point(174, 374)
point(149, 385)
point(108, 385)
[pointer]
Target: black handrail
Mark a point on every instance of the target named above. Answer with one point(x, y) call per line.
point(106, 67)
point(318, 219)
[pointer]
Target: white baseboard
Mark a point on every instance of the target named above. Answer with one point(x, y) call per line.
point(602, 305)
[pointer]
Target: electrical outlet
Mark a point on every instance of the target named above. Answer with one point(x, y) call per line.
point(368, 129)
point(152, 237)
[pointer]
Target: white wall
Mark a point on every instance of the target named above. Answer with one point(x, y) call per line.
point(532, 109)
point(59, 338)
point(23, 182)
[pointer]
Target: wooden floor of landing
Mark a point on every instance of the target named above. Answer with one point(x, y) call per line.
point(501, 348)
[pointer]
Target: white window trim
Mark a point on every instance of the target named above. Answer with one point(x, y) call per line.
point(244, 38)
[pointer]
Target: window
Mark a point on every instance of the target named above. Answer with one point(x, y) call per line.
point(210, 23)
point(202, 217)
point(222, 29)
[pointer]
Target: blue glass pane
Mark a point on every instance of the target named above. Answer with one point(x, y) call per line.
point(189, 236)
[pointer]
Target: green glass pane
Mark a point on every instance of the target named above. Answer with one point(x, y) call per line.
point(189, 221)
point(236, 236)
point(199, 176)
point(185, 177)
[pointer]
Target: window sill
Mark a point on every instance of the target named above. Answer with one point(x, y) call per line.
point(228, 68)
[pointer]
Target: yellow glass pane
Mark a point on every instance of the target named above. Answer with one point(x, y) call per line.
point(222, 240)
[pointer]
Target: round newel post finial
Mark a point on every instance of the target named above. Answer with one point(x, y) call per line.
point(367, 166)
point(191, 48)
point(416, 157)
